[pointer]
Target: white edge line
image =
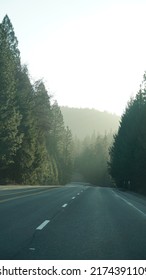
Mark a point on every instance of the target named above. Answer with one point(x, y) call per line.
point(43, 225)
point(129, 203)
point(64, 205)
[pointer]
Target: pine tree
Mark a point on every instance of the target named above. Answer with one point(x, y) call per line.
point(122, 150)
point(11, 40)
point(35, 147)
point(23, 170)
point(45, 166)
point(92, 160)
point(57, 137)
point(128, 153)
point(67, 160)
point(10, 118)
point(61, 144)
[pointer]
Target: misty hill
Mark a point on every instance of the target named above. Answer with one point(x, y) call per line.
point(83, 122)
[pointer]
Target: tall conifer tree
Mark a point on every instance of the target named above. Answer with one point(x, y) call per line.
point(10, 118)
point(127, 163)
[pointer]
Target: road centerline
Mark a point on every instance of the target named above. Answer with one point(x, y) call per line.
point(64, 205)
point(41, 226)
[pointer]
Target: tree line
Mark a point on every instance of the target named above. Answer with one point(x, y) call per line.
point(91, 157)
point(127, 163)
point(85, 121)
point(35, 145)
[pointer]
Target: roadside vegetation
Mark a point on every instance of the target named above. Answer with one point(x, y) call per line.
point(127, 164)
point(91, 157)
point(43, 144)
point(35, 145)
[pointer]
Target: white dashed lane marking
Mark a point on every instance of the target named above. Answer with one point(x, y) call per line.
point(32, 249)
point(64, 205)
point(43, 225)
point(40, 227)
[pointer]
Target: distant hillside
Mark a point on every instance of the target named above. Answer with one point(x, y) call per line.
point(83, 122)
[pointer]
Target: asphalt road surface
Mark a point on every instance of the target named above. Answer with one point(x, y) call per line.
point(77, 221)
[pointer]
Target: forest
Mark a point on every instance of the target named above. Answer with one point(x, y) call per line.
point(35, 145)
point(127, 155)
point(43, 144)
point(92, 133)
point(84, 121)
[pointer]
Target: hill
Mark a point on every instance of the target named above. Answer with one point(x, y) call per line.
point(85, 122)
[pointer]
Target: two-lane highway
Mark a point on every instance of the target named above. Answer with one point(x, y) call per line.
point(77, 221)
point(23, 210)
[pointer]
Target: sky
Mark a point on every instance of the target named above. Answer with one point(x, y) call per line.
point(90, 53)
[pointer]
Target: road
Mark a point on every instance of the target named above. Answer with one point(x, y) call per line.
point(77, 221)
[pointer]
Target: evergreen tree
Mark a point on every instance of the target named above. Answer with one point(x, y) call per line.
point(61, 144)
point(57, 137)
point(10, 118)
point(92, 160)
point(24, 160)
point(11, 40)
point(67, 161)
point(43, 164)
point(35, 146)
point(128, 153)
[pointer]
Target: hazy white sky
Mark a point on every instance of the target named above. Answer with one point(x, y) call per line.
point(91, 53)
